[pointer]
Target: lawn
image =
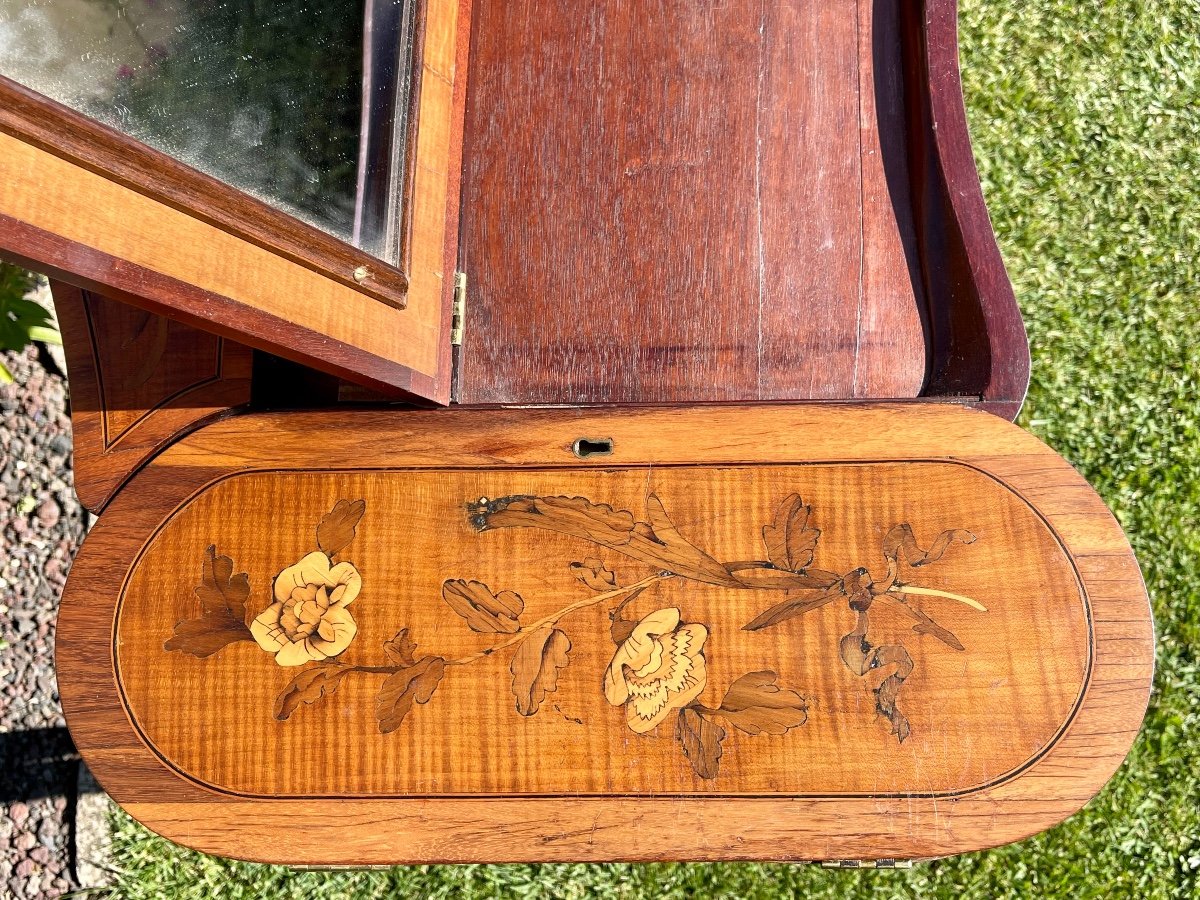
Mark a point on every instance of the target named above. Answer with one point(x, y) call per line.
point(1086, 121)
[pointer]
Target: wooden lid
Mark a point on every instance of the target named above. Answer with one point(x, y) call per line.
point(689, 202)
point(807, 632)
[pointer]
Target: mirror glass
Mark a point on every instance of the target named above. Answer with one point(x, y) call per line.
point(300, 103)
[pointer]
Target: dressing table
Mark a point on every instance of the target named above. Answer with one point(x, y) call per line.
point(603, 452)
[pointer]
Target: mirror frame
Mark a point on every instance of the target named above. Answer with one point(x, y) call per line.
point(86, 204)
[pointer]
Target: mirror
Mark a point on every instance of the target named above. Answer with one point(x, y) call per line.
point(303, 104)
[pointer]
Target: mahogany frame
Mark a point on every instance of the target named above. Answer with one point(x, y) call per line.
point(676, 324)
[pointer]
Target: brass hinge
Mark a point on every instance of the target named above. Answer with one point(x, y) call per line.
point(867, 864)
point(458, 309)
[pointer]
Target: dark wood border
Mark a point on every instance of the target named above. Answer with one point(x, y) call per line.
point(370, 832)
point(978, 345)
point(60, 130)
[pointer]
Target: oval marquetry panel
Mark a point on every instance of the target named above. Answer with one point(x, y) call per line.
point(446, 636)
point(977, 712)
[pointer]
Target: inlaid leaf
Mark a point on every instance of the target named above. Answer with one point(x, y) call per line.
point(792, 607)
point(932, 628)
point(663, 544)
point(484, 611)
point(205, 636)
point(219, 589)
point(535, 667)
point(336, 529)
point(400, 649)
point(222, 621)
point(889, 689)
point(900, 539)
point(622, 627)
point(308, 687)
point(755, 704)
point(593, 573)
point(855, 649)
point(790, 541)
point(401, 690)
point(751, 574)
point(926, 625)
point(700, 739)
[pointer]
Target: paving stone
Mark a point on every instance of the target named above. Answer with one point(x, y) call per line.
point(93, 841)
point(41, 525)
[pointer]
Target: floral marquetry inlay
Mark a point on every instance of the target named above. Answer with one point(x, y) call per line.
point(774, 632)
point(659, 663)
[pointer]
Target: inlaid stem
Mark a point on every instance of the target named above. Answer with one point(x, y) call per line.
point(554, 617)
point(933, 592)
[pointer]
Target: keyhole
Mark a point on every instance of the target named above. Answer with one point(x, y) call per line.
point(588, 447)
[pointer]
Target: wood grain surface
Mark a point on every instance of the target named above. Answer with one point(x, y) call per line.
point(686, 208)
point(137, 382)
point(837, 632)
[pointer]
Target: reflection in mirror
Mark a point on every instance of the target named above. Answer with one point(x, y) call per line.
point(388, 52)
point(265, 95)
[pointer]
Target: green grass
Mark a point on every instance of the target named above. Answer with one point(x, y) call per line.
point(1086, 120)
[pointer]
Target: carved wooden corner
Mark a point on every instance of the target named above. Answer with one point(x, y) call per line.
point(138, 382)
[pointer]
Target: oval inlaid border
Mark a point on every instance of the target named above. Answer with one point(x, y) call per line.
point(367, 470)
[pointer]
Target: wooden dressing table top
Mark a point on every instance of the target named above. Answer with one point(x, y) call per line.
point(728, 623)
point(808, 631)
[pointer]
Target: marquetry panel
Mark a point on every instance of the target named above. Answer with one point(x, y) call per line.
point(810, 631)
point(1001, 671)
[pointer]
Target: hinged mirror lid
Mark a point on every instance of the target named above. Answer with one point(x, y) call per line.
point(286, 176)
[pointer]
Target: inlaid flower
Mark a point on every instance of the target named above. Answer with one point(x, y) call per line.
point(658, 668)
point(309, 621)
